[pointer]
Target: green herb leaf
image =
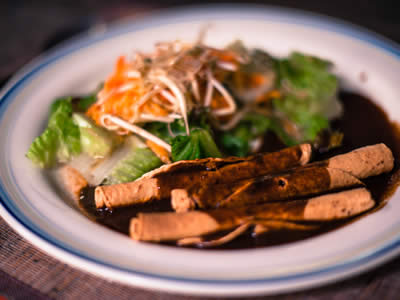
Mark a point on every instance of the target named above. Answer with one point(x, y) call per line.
point(237, 141)
point(85, 102)
point(82, 104)
point(198, 118)
point(199, 144)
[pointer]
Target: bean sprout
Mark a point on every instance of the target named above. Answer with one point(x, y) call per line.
point(137, 130)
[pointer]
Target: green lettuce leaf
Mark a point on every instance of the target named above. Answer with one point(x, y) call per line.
point(138, 162)
point(308, 124)
point(95, 141)
point(60, 140)
point(308, 88)
point(42, 151)
point(308, 77)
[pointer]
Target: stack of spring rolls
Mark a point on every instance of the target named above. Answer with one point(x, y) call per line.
point(265, 191)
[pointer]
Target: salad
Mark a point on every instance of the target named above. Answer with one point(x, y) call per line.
point(186, 101)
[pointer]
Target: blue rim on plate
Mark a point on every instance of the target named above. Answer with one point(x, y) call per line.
point(27, 228)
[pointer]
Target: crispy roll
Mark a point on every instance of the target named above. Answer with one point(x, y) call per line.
point(73, 181)
point(342, 171)
point(174, 226)
point(183, 174)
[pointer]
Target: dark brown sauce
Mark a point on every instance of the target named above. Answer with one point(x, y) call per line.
point(363, 123)
point(119, 218)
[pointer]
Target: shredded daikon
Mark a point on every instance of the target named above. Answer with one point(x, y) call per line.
point(104, 97)
point(133, 74)
point(229, 100)
point(178, 95)
point(227, 66)
point(195, 88)
point(137, 130)
point(236, 118)
point(152, 118)
point(167, 95)
point(209, 90)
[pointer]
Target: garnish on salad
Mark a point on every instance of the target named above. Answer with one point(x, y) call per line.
point(189, 124)
point(188, 101)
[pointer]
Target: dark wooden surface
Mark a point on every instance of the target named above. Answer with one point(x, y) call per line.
point(29, 27)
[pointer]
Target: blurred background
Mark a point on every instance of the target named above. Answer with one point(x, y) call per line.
point(30, 27)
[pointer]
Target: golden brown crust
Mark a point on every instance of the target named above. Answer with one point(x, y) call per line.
point(167, 226)
point(279, 160)
point(127, 193)
point(339, 205)
point(339, 172)
point(300, 182)
point(264, 226)
point(365, 162)
point(73, 181)
point(208, 171)
point(306, 153)
point(175, 226)
point(341, 179)
point(180, 201)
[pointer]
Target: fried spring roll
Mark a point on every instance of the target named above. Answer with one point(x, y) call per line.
point(125, 194)
point(341, 171)
point(364, 162)
point(171, 226)
point(183, 174)
point(297, 183)
point(72, 180)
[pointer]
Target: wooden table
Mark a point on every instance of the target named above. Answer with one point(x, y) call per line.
point(30, 27)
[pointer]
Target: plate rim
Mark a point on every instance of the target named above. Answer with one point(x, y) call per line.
point(28, 72)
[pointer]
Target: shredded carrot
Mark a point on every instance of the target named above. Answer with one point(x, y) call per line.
point(225, 55)
point(119, 95)
point(151, 89)
point(155, 109)
point(257, 79)
point(274, 94)
point(159, 151)
point(218, 101)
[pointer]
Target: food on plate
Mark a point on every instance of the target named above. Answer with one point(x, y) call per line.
point(72, 179)
point(337, 172)
point(160, 182)
point(188, 101)
point(194, 145)
point(175, 226)
point(263, 226)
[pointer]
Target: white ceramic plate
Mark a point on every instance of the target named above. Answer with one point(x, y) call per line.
point(33, 208)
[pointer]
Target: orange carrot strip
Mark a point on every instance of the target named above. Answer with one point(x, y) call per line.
point(159, 151)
